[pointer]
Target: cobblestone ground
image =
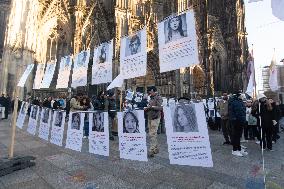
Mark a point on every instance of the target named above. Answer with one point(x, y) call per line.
point(57, 167)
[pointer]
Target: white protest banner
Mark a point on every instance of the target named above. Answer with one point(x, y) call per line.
point(177, 42)
point(25, 75)
point(22, 114)
point(102, 64)
point(39, 75)
point(117, 82)
point(133, 55)
point(33, 119)
point(99, 133)
point(64, 72)
point(57, 128)
point(48, 75)
point(75, 131)
point(187, 135)
point(44, 126)
point(79, 76)
point(132, 135)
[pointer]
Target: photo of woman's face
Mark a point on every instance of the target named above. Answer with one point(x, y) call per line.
point(181, 118)
point(130, 123)
point(58, 119)
point(98, 124)
point(174, 23)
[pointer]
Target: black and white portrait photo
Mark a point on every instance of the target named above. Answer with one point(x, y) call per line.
point(23, 109)
point(102, 53)
point(82, 58)
point(98, 122)
point(34, 112)
point(130, 122)
point(58, 119)
point(133, 44)
point(184, 119)
point(76, 120)
point(45, 115)
point(175, 28)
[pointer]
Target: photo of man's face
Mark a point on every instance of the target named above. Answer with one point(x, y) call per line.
point(58, 119)
point(34, 112)
point(103, 53)
point(133, 44)
point(98, 122)
point(45, 115)
point(76, 120)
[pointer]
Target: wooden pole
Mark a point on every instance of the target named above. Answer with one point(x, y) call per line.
point(14, 120)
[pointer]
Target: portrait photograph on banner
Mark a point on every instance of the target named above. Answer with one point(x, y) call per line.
point(64, 72)
point(99, 133)
point(33, 119)
point(178, 42)
point(44, 126)
point(39, 75)
point(79, 76)
point(25, 75)
point(187, 135)
point(133, 55)
point(22, 114)
point(57, 128)
point(102, 63)
point(48, 75)
point(132, 135)
point(75, 131)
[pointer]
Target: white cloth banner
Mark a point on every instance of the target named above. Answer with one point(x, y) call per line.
point(273, 81)
point(102, 64)
point(277, 7)
point(133, 55)
point(178, 42)
point(33, 119)
point(48, 75)
point(99, 133)
point(251, 83)
point(117, 82)
point(39, 75)
point(75, 131)
point(57, 128)
point(44, 126)
point(132, 135)
point(25, 75)
point(79, 76)
point(252, 1)
point(22, 114)
point(64, 72)
point(187, 135)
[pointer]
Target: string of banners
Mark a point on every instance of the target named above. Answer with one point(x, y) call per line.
point(178, 48)
point(186, 130)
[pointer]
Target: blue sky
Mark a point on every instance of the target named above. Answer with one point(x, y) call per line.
point(265, 32)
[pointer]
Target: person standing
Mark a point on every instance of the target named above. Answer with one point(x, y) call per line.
point(88, 107)
point(110, 106)
point(237, 117)
point(267, 120)
point(153, 110)
point(75, 103)
point(3, 104)
point(223, 108)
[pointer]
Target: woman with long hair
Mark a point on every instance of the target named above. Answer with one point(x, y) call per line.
point(185, 119)
point(175, 30)
point(130, 123)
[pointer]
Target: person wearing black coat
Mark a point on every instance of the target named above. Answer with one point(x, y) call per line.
point(237, 117)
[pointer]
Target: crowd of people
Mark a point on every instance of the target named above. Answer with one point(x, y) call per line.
point(239, 118)
point(243, 119)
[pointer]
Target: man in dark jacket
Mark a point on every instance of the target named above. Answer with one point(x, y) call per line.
point(237, 117)
point(110, 106)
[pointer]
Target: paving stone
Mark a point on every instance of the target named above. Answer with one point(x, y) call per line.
point(18, 177)
point(218, 185)
point(32, 143)
point(33, 184)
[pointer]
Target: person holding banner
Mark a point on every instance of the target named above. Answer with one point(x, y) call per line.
point(153, 110)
